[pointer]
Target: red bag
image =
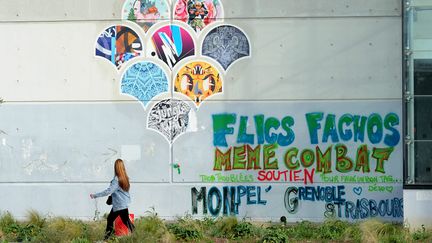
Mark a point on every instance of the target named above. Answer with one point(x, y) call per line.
point(120, 228)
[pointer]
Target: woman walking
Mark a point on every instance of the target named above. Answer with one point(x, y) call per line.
point(119, 190)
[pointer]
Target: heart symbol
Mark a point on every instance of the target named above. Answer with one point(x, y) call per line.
point(357, 190)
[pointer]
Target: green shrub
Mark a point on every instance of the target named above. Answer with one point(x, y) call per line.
point(16, 231)
point(353, 234)
point(231, 228)
point(224, 227)
point(20, 232)
point(304, 230)
point(185, 232)
point(186, 229)
point(275, 235)
point(6, 219)
point(422, 235)
point(208, 222)
point(333, 229)
point(243, 230)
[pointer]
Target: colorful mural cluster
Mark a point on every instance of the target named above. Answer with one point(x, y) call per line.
point(171, 42)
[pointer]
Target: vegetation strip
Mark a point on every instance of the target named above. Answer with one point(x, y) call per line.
point(151, 228)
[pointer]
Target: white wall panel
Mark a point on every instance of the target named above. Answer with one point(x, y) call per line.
point(417, 208)
point(291, 54)
point(341, 57)
point(48, 10)
point(311, 8)
point(79, 142)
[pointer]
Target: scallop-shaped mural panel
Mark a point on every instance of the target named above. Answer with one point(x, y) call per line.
point(144, 80)
point(145, 13)
point(171, 43)
point(198, 13)
point(118, 44)
point(226, 44)
point(171, 118)
point(198, 81)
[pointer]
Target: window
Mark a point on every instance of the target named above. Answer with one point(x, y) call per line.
point(418, 93)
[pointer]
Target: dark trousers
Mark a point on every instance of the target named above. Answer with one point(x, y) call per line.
point(124, 215)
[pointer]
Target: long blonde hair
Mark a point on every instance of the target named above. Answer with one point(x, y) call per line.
point(120, 172)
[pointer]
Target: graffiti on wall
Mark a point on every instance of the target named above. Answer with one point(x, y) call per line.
point(145, 13)
point(198, 81)
point(226, 44)
point(226, 200)
point(198, 13)
point(344, 170)
point(337, 205)
point(118, 44)
point(144, 80)
point(372, 129)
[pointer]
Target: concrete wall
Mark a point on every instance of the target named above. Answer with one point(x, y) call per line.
point(67, 113)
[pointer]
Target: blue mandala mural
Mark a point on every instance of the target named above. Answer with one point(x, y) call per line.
point(144, 80)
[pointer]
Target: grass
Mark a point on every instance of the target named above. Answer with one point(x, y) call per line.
point(151, 228)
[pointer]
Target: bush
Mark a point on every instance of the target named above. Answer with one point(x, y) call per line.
point(12, 230)
point(224, 227)
point(353, 234)
point(186, 229)
point(231, 228)
point(333, 230)
point(303, 230)
point(243, 230)
point(275, 235)
point(422, 235)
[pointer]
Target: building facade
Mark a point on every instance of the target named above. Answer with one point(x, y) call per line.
point(259, 109)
